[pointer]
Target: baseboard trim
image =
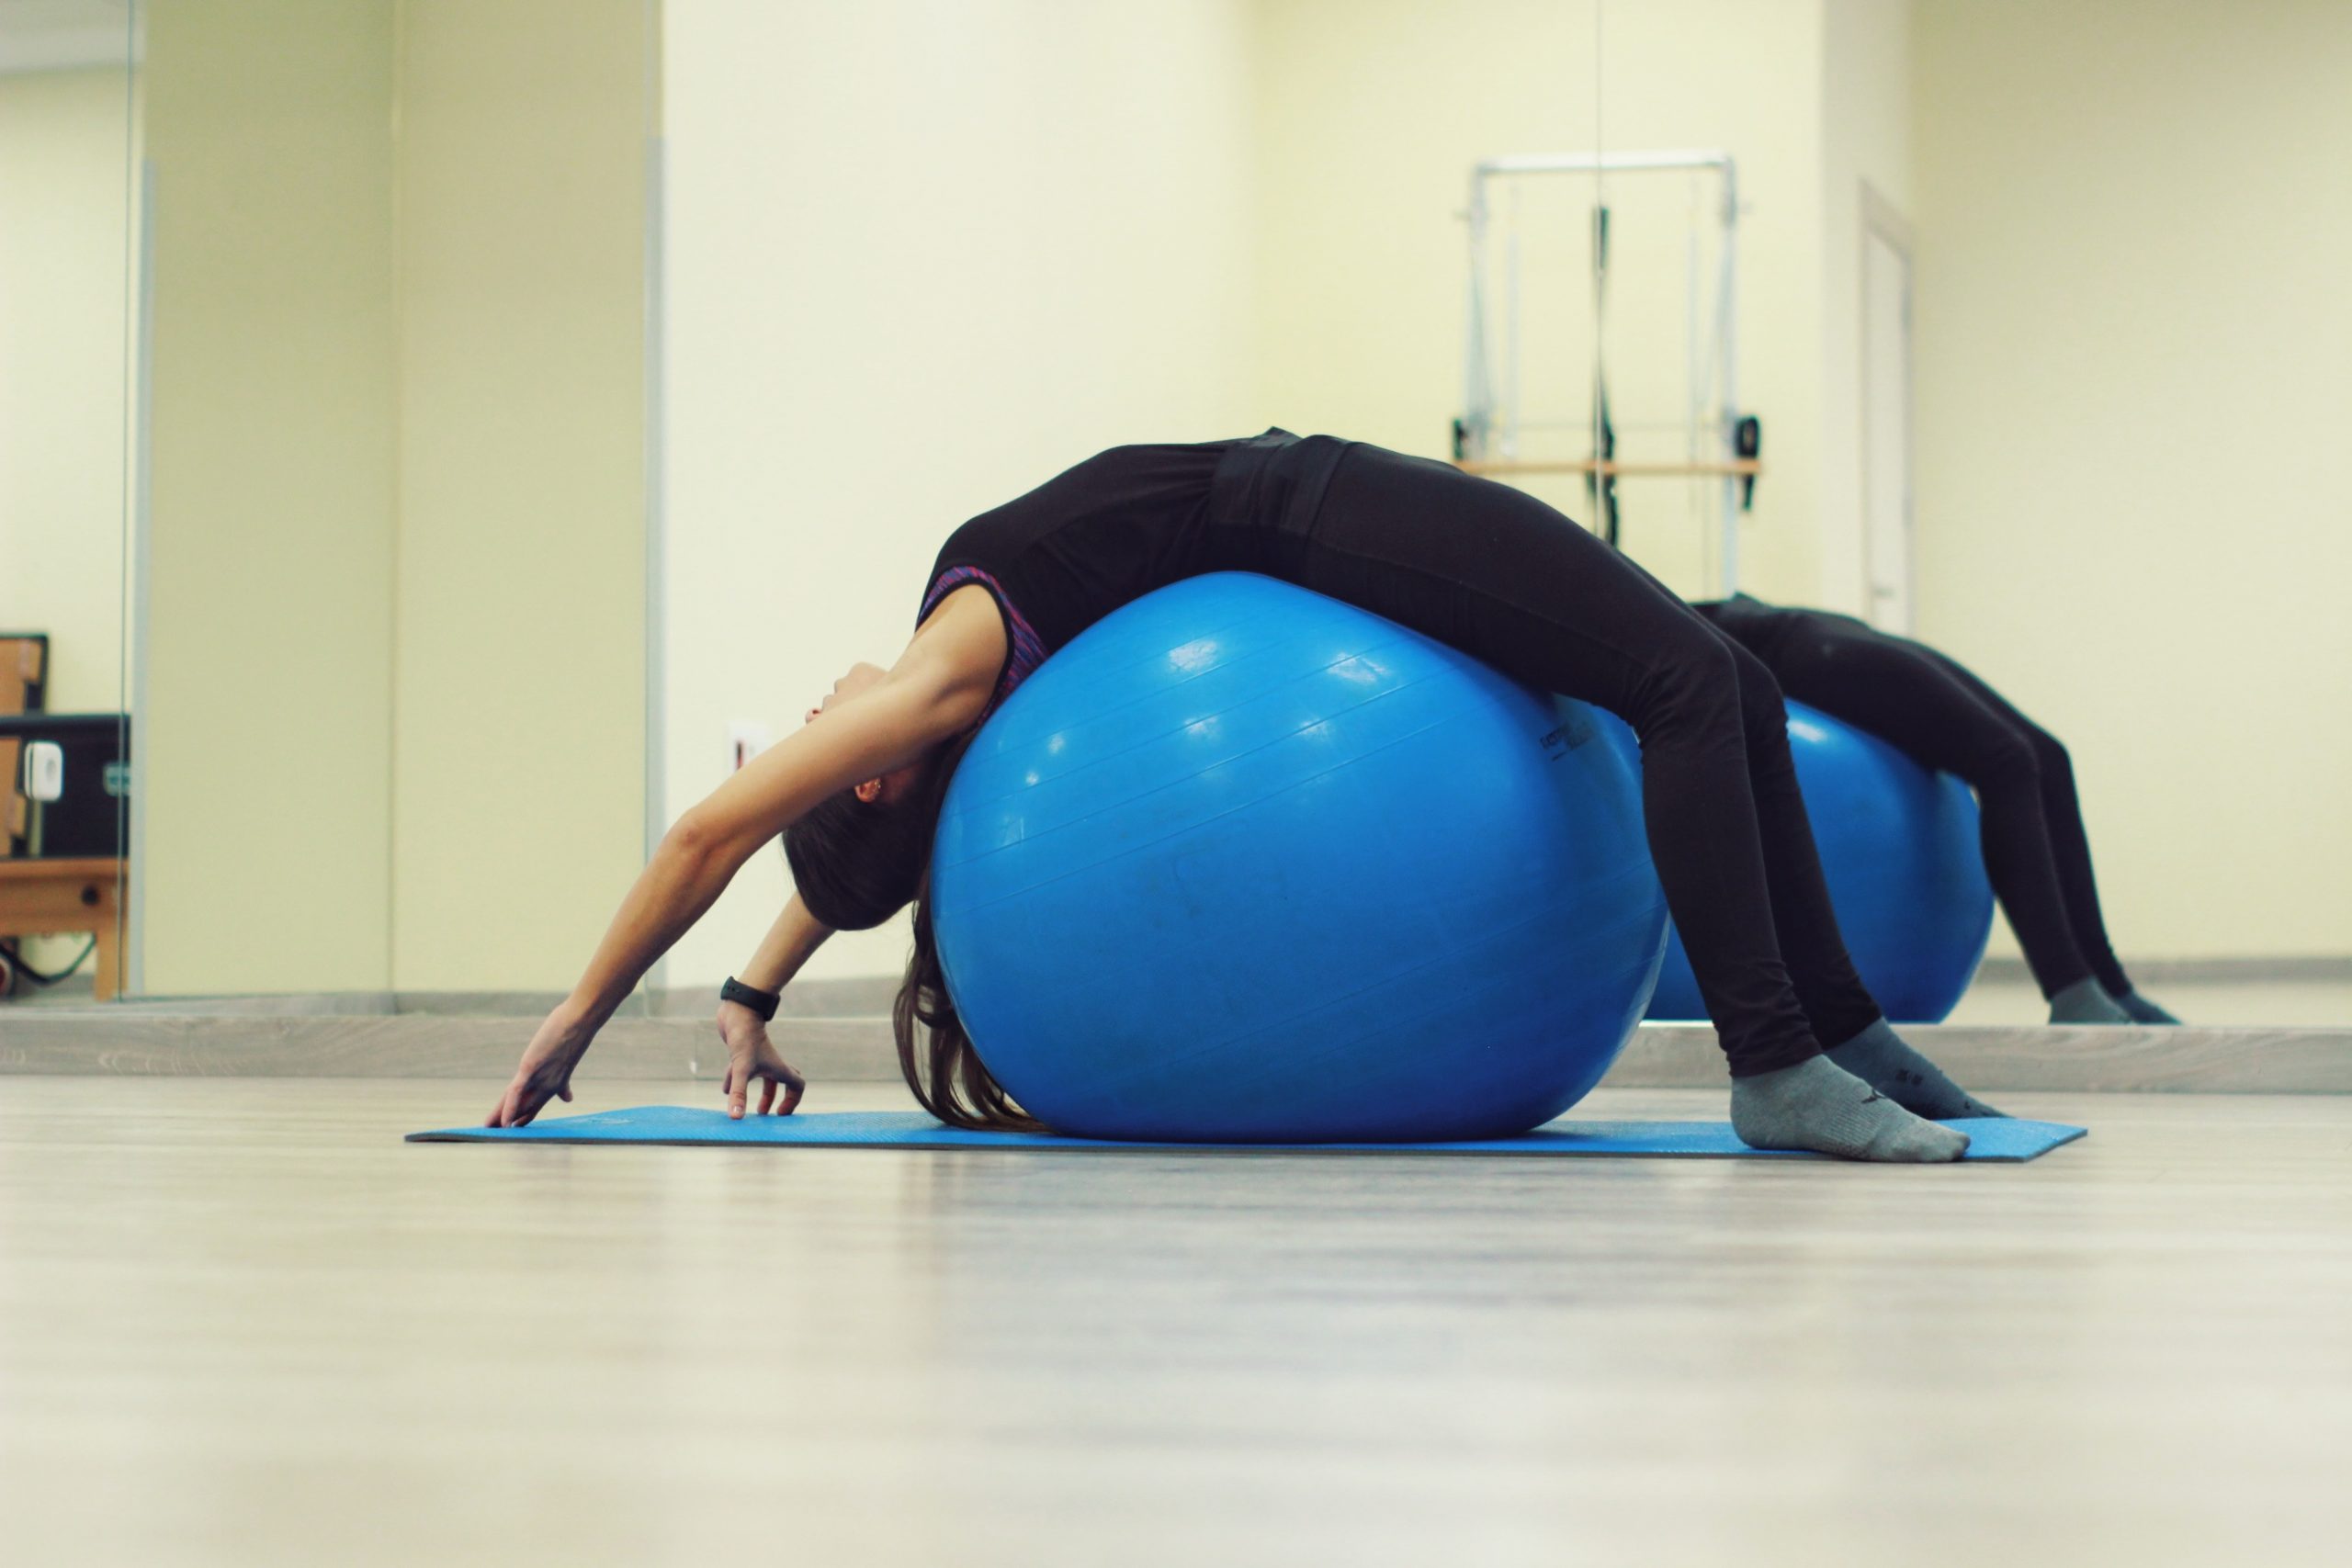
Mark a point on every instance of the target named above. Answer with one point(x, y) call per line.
point(2082, 1058)
point(872, 997)
point(2305, 969)
point(106, 1041)
point(118, 1040)
point(853, 997)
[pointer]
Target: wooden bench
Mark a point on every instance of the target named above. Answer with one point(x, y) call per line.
point(51, 898)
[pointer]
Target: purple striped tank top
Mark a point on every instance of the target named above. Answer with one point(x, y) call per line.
point(1023, 650)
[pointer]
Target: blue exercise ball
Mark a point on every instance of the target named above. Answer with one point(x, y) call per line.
point(1245, 864)
point(1899, 849)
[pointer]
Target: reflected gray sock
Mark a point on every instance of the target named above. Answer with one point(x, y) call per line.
point(1820, 1106)
point(2140, 1010)
point(1880, 1058)
point(2085, 1002)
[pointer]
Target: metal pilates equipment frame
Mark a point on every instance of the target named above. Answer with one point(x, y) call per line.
point(1485, 438)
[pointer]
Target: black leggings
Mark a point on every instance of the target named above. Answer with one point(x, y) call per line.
point(2036, 852)
point(1506, 578)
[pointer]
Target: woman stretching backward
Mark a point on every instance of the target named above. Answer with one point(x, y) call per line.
point(2036, 854)
point(856, 792)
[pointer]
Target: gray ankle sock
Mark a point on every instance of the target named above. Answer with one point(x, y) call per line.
point(2085, 1002)
point(2140, 1010)
point(1880, 1058)
point(1818, 1105)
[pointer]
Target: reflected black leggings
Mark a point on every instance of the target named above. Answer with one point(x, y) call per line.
point(1506, 578)
point(2036, 852)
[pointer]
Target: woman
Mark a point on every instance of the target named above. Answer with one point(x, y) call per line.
point(2036, 852)
point(855, 792)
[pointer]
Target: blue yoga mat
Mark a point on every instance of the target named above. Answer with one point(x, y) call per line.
point(1989, 1138)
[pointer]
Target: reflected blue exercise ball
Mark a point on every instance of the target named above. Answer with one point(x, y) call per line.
point(1900, 852)
point(1245, 864)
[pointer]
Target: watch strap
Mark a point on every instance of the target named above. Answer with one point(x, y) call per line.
point(764, 1003)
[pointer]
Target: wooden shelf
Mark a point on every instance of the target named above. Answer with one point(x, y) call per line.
point(44, 897)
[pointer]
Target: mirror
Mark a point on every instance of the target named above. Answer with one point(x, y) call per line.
point(390, 631)
point(2040, 385)
point(67, 114)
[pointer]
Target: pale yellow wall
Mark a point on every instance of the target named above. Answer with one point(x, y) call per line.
point(921, 255)
point(1866, 137)
point(2134, 331)
point(396, 695)
point(1368, 118)
point(518, 718)
point(267, 729)
point(64, 238)
point(1370, 114)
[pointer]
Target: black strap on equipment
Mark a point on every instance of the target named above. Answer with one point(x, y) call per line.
point(1600, 486)
point(1748, 440)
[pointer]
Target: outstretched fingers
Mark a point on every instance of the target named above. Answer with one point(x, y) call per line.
point(780, 1089)
point(509, 1111)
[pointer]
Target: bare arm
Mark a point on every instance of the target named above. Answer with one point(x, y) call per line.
point(886, 729)
point(893, 724)
point(939, 687)
point(789, 945)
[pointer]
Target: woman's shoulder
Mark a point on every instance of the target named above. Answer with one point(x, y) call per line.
point(964, 590)
point(975, 627)
point(976, 598)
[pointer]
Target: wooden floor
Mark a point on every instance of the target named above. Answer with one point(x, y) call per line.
point(240, 1323)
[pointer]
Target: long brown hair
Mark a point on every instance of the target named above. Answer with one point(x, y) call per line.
point(857, 862)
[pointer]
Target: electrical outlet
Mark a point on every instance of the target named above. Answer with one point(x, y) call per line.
point(746, 739)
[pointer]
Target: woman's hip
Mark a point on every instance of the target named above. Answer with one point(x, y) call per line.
point(1493, 571)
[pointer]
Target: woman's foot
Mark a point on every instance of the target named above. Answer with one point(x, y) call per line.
point(2086, 1002)
point(1818, 1105)
point(1880, 1058)
point(2140, 1010)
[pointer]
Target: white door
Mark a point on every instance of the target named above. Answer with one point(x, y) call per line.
point(1886, 427)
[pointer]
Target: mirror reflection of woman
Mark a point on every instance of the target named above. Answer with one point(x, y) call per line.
point(1489, 570)
point(2037, 853)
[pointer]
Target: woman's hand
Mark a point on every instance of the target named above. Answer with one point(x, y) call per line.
point(750, 1054)
point(546, 1070)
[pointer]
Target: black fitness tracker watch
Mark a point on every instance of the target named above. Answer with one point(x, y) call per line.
point(764, 1003)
